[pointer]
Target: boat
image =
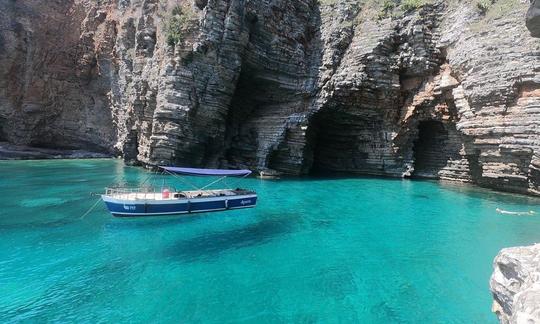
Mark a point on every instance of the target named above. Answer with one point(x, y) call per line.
point(269, 174)
point(149, 201)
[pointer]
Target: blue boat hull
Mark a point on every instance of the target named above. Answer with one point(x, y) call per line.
point(130, 208)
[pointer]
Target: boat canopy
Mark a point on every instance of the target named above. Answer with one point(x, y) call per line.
point(207, 172)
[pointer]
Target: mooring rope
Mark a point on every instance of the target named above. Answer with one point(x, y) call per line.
point(148, 177)
point(91, 208)
point(97, 201)
point(211, 183)
point(152, 173)
point(183, 180)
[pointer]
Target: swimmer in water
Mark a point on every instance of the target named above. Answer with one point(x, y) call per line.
point(500, 211)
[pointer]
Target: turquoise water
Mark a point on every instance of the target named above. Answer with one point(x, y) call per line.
point(313, 251)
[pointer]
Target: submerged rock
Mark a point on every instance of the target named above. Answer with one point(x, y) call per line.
point(515, 285)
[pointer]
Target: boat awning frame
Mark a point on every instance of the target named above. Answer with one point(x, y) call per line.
point(207, 172)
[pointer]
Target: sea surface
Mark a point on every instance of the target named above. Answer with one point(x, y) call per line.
point(315, 250)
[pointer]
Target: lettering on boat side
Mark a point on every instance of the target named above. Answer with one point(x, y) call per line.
point(245, 202)
point(128, 207)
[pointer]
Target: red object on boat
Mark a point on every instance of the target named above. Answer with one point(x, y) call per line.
point(165, 193)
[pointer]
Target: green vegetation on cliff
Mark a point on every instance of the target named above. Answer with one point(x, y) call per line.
point(179, 23)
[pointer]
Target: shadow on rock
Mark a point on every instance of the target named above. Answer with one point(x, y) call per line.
point(533, 18)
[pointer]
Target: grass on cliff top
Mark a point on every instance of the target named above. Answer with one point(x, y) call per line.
point(378, 9)
point(484, 5)
point(385, 4)
point(491, 9)
point(495, 9)
point(396, 8)
point(181, 21)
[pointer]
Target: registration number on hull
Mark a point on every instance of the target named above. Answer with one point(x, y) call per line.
point(130, 207)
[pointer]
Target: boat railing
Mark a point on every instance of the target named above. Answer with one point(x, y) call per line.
point(136, 192)
point(124, 190)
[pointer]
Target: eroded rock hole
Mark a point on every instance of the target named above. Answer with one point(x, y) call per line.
point(257, 119)
point(3, 137)
point(241, 134)
point(131, 148)
point(475, 168)
point(201, 4)
point(432, 149)
point(339, 142)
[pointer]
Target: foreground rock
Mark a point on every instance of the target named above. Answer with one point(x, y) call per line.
point(21, 152)
point(515, 285)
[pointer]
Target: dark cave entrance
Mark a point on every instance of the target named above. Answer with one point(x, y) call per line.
point(131, 148)
point(244, 118)
point(337, 142)
point(257, 134)
point(432, 149)
point(3, 137)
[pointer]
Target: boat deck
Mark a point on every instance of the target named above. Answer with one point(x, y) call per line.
point(178, 195)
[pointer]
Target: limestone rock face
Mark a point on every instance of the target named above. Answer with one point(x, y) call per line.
point(515, 282)
point(515, 285)
point(442, 91)
point(50, 92)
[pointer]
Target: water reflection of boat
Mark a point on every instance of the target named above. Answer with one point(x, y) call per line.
point(152, 201)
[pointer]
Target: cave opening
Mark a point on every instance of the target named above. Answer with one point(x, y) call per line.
point(432, 149)
point(131, 148)
point(256, 127)
point(338, 142)
point(241, 140)
point(3, 137)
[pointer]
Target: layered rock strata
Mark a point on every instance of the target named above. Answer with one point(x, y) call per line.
point(51, 90)
point(515, 285)
point(444, 90)
point(21, 152)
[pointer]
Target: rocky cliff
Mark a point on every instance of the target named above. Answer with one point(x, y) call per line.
point(515, 285)
point(440, 89)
